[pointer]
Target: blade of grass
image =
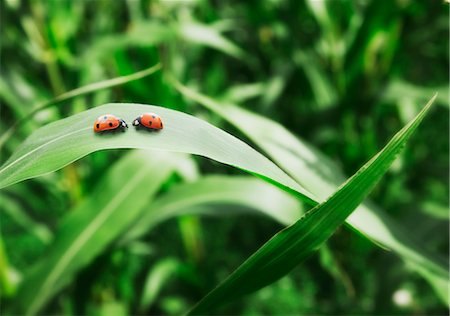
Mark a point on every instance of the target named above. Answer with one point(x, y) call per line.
point(9, 277)
point(206, 35)
point(293, 244)
point(157, 277)
point(57, 144)
point(236, 193)
point(15, 211)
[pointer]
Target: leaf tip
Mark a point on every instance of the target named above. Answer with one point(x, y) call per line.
point(433, 98)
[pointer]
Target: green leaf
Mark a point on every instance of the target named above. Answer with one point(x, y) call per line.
point(321, 176)
point(325, 95)
point(89, 228)
point(140, 34)
point(218, 195)
point(9, 276)
point(293, 244)
point(153, 33)
point(399, 89)
point(155, 280)
point(206, 35)
point(14, 210)
point(60, 143)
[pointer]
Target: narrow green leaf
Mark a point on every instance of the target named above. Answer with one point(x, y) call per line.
point(141, 34)
point(218, 195)
point(399, 89)
point(243, 92)
point(9, 277)
point(155, 280)
point(206, 35)
point(325, 94)
point(60, 143)
point(292, 245)
point(15, 211)
point(94, 224)
point(153, 33)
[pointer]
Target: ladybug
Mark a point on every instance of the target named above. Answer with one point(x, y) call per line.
point(109, 122)
point(151, 121)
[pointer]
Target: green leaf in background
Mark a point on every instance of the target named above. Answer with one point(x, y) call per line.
point(214, 196)
point(218, 195)
point(153, 33)
point(89, 228)
point(408, 97)
point(205, 35)
point(60, 143)
point(9, 276)
point(399, 89)
point(321, 176)
point(293, 244)
point(156, 278)
point(14, 210)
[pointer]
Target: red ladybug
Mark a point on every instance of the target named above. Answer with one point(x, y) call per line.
point(149, 120)
point(109, 122)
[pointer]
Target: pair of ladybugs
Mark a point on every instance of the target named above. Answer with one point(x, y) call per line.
point(109, 122)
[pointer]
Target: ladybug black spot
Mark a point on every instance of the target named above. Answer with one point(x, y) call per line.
point(98, 125)
point(149, 122)
point(105, 117)
point(153, 116)
point(110, 124)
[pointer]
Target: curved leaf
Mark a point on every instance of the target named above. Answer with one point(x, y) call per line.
point(60, 143)
point(209, 193)
point(206, 35)
point(155, 280)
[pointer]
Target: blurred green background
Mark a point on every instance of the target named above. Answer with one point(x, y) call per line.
point(342, 75)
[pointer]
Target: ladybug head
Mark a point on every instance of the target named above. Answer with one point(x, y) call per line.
point(123, 124)
point(136, 122)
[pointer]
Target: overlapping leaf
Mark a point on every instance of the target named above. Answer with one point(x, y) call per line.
point(292, 245)
point(321, 176)
point(219, 195)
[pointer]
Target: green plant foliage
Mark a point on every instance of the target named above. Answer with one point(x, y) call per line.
point(219, 195)
point(321, 177)
point(207, 35)
point(299, 94)
point(95, 87)
point(60, 143)
point(94, 224)
point(157, 277)
point(14, 211)
point(293, 244)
